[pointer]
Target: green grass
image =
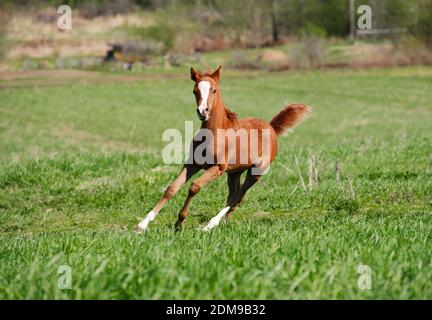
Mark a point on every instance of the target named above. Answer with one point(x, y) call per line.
point(80, 164)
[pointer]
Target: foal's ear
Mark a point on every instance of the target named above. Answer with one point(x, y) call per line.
point(216, 75)
point(194, 74)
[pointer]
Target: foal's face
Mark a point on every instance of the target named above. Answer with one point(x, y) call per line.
point(205, 91)
point(205, 94)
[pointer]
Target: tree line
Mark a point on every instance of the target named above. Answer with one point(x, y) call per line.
point(277, 18)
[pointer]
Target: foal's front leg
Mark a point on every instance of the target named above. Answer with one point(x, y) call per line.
point(185, 174)
point(209, 175)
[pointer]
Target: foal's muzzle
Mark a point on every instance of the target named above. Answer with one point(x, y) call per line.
point(203, 115)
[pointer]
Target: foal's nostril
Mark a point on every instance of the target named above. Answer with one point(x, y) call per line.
point(207, 109)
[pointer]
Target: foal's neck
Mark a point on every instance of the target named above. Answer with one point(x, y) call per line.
point(218, 118)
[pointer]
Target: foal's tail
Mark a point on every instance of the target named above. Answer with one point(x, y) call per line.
point(289, 117)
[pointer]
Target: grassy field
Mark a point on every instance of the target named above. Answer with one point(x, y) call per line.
point(80, 164)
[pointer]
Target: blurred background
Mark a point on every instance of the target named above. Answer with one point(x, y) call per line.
point(269, 35)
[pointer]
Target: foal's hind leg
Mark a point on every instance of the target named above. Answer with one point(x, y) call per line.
point(233, 187)
point(185, 174)
point(233, 200)
point(250, 180)
point(233, 184)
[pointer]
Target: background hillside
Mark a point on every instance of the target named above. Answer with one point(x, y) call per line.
point(247, 34)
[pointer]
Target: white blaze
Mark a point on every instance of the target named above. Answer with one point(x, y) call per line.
point(204, 88)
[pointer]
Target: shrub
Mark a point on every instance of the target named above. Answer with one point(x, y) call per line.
point(312, 30)
point(412, 51)
point(241, 61)
point(93, 9)
point(163, 34)
point(314, 49)
point(134, 51)
point(273, 60)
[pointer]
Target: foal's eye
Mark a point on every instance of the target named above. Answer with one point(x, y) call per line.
point(214, 90)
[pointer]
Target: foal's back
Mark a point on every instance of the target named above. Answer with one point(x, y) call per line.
point(262, 154)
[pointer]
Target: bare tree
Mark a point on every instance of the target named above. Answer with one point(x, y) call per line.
point(351, 19)
point(275, 30)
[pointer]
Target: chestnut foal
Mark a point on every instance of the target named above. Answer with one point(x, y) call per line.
point(227, 156)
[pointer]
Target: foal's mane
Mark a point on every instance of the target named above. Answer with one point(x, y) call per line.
point(231, 114)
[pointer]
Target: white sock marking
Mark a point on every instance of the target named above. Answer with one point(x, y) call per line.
point(216, 219)
point(144, 223)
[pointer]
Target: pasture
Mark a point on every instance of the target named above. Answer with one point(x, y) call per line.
point(80, 165)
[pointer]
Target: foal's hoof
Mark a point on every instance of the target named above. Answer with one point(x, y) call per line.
point(205, 229)
point(140, 229)
point(212, 224)
point(178, 226)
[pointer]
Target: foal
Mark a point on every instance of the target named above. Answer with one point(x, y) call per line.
point(224, 154)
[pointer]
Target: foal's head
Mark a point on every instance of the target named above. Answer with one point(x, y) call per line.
point(206, 90)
